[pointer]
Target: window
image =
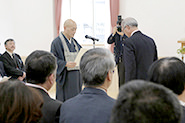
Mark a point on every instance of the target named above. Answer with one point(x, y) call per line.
point(92, 18)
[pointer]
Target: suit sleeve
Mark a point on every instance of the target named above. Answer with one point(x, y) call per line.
point(156, 55)
point(129, 60)
point(62, 114)
point(111, 39)
point(2, 71)
point(57, 116)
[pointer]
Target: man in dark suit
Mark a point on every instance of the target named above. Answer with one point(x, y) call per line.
point(92, 105)
point(139, 51)
point(170, 72)
point(12, 62)
point(117, 38)
point(2, 71)
point(41, 74)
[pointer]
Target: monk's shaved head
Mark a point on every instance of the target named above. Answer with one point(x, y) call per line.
point(69, 28)
point(69, 22)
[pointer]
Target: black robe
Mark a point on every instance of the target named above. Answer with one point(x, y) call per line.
point(69, 83)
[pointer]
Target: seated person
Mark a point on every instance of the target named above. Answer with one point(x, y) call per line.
point(140, 101)
point(12, 62)
point(41, 74)
point(92, 105)
point(2, 71)
point(19, 103)
point(170, 72)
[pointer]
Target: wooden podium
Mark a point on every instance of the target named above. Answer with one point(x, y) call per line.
point(182, 45)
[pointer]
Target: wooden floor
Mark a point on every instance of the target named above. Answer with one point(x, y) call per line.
point(112, 91)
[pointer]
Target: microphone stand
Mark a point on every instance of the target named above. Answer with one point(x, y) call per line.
point(93, 43)
point(94, 39)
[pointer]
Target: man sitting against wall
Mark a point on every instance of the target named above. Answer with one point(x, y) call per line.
point(12, 62)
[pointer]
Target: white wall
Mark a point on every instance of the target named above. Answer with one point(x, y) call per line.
point(163, 20)
point(29, 22)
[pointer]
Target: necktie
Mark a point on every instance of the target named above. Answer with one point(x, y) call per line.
point(14, 59)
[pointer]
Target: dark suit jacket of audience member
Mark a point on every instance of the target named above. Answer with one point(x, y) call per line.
point(10, 66)
point(139, 53)
point(183, 116)
point(50, 109)
point(118, 46)
point(2, 71)
point(90, 106)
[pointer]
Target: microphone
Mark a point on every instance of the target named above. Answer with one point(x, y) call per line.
point(89, 37)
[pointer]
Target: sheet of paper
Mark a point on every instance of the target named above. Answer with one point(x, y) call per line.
point(80, 54)
point(5, 78)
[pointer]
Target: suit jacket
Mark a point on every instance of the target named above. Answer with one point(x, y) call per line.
point(139, 53)
point(90, 106)
point(183, 115)
point(50, 109)
point(10, 66)
point(2, 71)
point(118, 46)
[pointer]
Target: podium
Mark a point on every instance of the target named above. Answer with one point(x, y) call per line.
point(182, 45)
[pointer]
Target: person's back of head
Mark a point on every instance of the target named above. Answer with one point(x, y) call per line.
point(19, 103)
point(95, 65)
point(140, 101)
point(169, 72)
point(39, 65)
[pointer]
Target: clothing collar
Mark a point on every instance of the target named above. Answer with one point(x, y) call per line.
point(182, 103)
point(9, 53)
point(134, 31)
point(67, 38)
point(101, 89)
point(36, 86)
point(93, 90)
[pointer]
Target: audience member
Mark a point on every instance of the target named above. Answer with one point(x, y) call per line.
point(66, 48)
point(2, 71)
point(140, 101)
point(139, 51)
point(117, 38)
point(12, 62)
point(19, 103)
point(92, 105)
point(170, 72)
point(41, 74)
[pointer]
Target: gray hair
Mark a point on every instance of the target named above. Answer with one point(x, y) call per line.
point(95, 64)
point(129, 22)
